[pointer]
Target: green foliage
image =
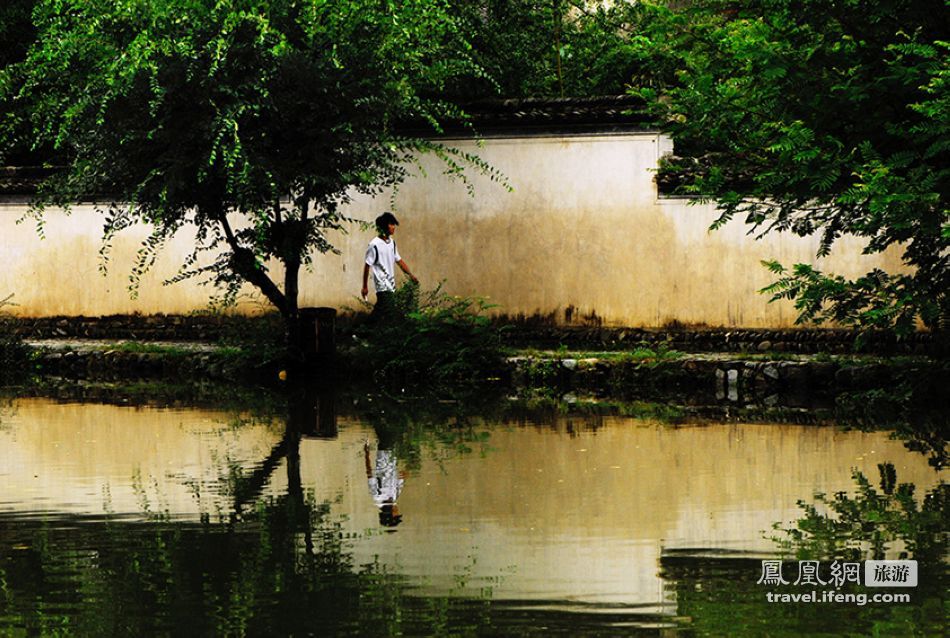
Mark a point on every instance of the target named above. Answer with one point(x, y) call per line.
point(826, 118)
point(16, 35)
point(145, 347)
point(16, 29)
point(432, 338)
point(873, 522)
point(651, 354)
point(239, 398)
point(534, 48)
point(252, 121)
point(648, 371)
point(16, 357)
point(538, 403)
point(818, 297)
point(644, 352)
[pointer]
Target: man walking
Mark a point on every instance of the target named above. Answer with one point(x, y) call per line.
point(383, 257)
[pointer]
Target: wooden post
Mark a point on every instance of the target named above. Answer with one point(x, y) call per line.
point(317, 334)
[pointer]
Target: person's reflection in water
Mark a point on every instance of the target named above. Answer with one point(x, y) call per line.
point(385, 480)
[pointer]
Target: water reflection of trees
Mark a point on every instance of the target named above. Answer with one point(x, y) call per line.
point(915, 406)
point(280, 565)
point(719, 595)
point(253, 577)
point(273, 565)
point(875, 523)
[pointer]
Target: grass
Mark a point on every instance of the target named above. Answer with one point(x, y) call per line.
point(144, 347)
point(640, 354)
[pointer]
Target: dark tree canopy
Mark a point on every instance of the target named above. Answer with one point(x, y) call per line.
point(548, 48)
point(825, 117)
point(17, 33)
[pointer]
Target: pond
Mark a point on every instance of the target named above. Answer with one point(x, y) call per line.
point(123, 520)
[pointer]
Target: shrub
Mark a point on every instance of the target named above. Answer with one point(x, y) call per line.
point(15, 355)
point(431, 337)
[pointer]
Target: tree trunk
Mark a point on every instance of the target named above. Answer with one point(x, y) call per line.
point(295, 325)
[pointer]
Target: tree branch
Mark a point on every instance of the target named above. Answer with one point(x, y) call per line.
point(244, 263)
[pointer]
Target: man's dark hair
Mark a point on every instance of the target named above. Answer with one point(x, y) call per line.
point(385, 220)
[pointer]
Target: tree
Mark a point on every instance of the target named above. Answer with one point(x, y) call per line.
point(823, 117)
point(16, 30)
point(252, 120)
point(17, 33)
point(549, 48)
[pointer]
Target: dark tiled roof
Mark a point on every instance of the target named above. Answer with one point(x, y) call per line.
point(610, 112)
point(21, 180)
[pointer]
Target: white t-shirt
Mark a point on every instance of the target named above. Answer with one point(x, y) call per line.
point(381, 256)
point(385, 485)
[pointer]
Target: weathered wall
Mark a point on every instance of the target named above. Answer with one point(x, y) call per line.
point(583, 228)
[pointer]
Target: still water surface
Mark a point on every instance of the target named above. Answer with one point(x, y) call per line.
point(119, 520)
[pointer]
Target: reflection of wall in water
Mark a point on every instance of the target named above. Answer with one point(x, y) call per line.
point(584, 228)
point(82, 458)
point(552, 513)
point(591, 512)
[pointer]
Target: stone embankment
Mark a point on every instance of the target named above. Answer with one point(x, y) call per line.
point(702, 367)
point(701, 339)
point(168, 328)
point(540, 333)
point(123, 360)
point(698, 379)
point(721, 379)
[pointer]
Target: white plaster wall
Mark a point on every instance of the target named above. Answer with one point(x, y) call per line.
point(582, 227)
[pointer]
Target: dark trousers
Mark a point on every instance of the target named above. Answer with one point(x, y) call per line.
point(385, 306)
